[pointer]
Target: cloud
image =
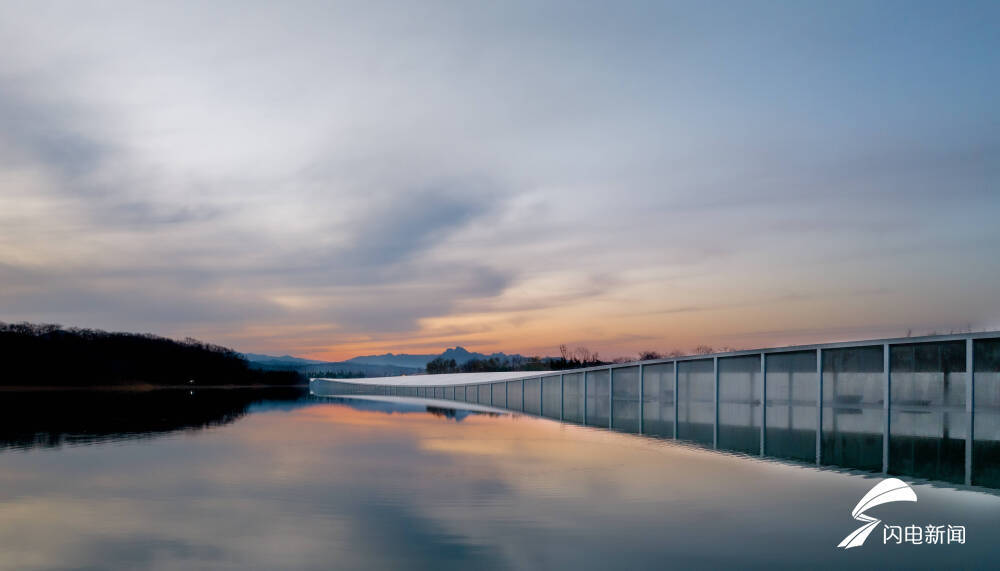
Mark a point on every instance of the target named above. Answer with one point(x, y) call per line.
point(356, 172)
point(50, 132)
point(410, 222)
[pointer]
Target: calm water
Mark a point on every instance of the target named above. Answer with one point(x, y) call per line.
point(271, 480)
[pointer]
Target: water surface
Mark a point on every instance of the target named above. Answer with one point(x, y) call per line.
point(255, 480)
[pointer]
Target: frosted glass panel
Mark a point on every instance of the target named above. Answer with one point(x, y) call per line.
point(573, 397)
point(514, 395)
point(598, 398)
point(696, 404)
point(986, 433)
point(551, 397)
point(532, 396)
point(499, 394)
point(927, 410)
point(853, 387)
point(658, 400)
point(790, 424)
point(625, 393)
point(739, 403)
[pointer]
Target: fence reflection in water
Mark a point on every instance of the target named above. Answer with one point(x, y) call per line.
point(901, 406)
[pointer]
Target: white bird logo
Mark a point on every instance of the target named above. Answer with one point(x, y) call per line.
point(886, 491)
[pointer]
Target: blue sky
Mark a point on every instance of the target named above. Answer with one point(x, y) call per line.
point(327, 179)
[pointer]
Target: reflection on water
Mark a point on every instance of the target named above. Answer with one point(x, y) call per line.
point(54, 418)
point(905, 409)
point(303, 483)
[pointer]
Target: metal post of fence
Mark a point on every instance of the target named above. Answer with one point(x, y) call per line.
point(970, 407)
point(886, 388)
point(763, 402)
point(541, 387)
point(611, 396)
point(715, 426)
point(819, 406)
point(677, 406)
point(641, 396)
point(562, 395)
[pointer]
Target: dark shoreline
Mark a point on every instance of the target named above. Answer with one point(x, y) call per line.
point(51, 416)
point(138, 388)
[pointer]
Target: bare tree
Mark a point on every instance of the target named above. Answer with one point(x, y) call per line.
point(565, 352)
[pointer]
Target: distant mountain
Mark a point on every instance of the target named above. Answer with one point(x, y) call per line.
point(257, 358)
point(314, 367)
point(460, 354)
point(387, 365)
point(401, 360)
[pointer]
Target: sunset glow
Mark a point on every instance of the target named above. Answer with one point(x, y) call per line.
point(334, 179)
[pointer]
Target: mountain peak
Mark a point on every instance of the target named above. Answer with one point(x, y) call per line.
point(458, 350)
point(460, 354)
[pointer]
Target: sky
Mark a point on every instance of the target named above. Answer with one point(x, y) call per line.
point(328, 179)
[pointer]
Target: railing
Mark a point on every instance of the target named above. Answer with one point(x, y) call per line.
point(918, 406)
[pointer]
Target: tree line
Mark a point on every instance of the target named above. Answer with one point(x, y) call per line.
point(339, 374)
point(491, 364)
point(51, 355)
point(580, 357)
point(577, 358)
